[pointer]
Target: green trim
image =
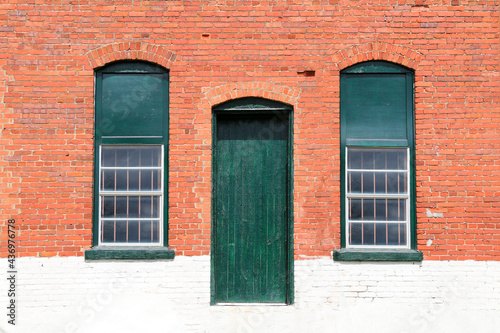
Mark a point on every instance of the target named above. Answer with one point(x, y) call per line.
point(166, 126)
point(130, 140)
point(139, 67)
point(376, 143)
point(129, 253)
point(97, 143)
point(376, 67)
point(363, 69)
point(214, 208)
point(133, 66)
point(213, 234)
point(252, 104)
point(290, 295)
point(377, 255)
point(256, 106)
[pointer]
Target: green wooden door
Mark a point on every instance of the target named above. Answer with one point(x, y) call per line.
point(250, 209)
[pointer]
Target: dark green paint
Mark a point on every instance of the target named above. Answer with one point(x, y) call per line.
point(377, 110)
point(132, 66)
point(129, 253)
point(376, 67)
point(252, 104)
point(377, 255)
point(132, 104)
point(252, 260)
point(124, 126)
point(374, 106)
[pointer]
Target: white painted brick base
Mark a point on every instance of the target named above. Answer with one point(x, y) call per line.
point(59, 295)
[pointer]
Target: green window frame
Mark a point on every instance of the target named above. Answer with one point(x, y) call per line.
point(377, 152)
point(131, 162)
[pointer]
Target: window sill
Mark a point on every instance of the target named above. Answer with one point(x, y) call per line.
point(129, 253)
point(377, 255)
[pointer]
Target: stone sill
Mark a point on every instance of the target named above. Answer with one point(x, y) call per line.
point(377, 255)
point(129, 253)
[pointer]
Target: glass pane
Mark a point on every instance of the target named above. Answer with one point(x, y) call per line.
point(130, 206)
point(381, 209)
point(361, 209)
point(368, 233)
point(367, 159)
point(147, 231)
point(394, 234)
point(362, 233)
point(354, 209)
point(156, 233)
point(149, 180)
point(354, 182)
point(380, 160)
point(368, 182)
point(108, 207)
point(133, 231)
point(396, 159)
point(132, 156)
point(354, 161)
point(377, 234)
point(107, 180)
point(381, 234)
point(121, 177)
point(131, 180)
point(108, 158)
point(368, 209)
point(122, 157)
point(121, 231)
point(149, 207)
point(396, 209)
point(377, 159)
point(377, 209)
point(108, 231)
point(396, 182)
point(380, 182)
point(355, 234)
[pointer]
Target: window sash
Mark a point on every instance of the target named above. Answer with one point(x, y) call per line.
point(156, 222)
point(374, 223)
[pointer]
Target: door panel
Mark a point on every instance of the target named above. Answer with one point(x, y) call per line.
point(250, 218)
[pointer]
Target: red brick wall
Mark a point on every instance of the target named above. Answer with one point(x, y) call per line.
point(219, 50)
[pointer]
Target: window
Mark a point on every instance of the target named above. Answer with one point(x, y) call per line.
point(131, 147)
point(130, 194)
point(377, 153)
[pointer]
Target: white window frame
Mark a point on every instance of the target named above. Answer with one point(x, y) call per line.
point(159, 193)
point(406, 196)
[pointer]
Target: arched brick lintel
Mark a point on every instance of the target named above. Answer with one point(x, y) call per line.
point(377, 51)
point(131, 51)
point(267, 90)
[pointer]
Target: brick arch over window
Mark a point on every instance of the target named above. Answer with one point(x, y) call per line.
point(131, 51)
point(377, 51)
point(267, 90)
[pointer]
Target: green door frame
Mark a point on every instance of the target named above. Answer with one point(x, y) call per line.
point(254, 106)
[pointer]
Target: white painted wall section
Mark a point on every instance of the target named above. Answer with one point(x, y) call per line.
point(62, 295)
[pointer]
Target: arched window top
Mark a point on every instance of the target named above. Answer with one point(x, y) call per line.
point(376, 67)
point(252, 104)
point(132, 66)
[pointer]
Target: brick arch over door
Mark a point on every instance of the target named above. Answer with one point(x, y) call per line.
point(131, 51)
point(268, 90)
point(377, 51)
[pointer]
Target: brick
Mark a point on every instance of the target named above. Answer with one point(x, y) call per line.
point(225, 50)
